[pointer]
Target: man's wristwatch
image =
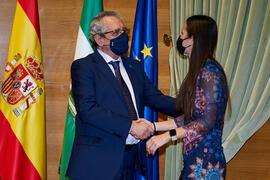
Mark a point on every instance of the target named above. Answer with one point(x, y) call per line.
point(173, 134)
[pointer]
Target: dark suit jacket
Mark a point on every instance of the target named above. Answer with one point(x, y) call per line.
point(102, 122)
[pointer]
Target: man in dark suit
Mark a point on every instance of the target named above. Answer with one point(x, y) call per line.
point(110, 92)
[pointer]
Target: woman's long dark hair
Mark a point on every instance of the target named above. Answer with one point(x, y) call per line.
point(203, 29)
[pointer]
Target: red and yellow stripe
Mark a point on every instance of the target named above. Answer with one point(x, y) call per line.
point(22, 138)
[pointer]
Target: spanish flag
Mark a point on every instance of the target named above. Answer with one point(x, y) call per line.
point(22, 115)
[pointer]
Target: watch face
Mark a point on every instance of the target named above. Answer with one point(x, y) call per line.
point(172, 132)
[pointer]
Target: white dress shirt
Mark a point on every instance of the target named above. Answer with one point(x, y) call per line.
point(130, 139)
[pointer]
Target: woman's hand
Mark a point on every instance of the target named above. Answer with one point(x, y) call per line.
point(157, 141)
point(146, 122)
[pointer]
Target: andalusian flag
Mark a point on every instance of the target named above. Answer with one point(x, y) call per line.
point(22, 122)
point(91, 8)
point(144, 48)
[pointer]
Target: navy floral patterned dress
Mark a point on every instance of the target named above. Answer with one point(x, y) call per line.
point(202, 146)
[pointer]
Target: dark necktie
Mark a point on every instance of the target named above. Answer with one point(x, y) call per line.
point(131, 109)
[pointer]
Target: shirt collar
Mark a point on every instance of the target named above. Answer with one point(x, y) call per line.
point(108, 58)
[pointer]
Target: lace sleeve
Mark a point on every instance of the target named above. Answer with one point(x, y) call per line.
point(208, 97)
point(179, 121)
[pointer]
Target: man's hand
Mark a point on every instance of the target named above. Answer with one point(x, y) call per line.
point(141, 129)
point(146, 122)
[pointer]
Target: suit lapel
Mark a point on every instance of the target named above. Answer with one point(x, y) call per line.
point(106, 71)
point(108, 74)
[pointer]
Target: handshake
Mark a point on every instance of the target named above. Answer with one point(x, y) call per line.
point(142, 129)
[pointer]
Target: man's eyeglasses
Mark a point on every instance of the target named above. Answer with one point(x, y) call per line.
point(116, 32)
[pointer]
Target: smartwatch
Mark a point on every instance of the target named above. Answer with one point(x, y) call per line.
point(173, 134)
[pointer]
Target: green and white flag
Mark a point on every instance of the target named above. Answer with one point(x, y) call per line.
point(83, 48)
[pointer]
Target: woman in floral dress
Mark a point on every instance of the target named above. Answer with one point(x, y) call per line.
point(201, 103)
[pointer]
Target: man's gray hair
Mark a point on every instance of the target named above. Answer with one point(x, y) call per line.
point(96, 26)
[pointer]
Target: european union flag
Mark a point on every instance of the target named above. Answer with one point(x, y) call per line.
point(144, 48)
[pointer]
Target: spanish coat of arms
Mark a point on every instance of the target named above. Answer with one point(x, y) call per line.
point(21, 82)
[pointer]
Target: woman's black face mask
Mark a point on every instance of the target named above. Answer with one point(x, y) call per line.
point(181, 49)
